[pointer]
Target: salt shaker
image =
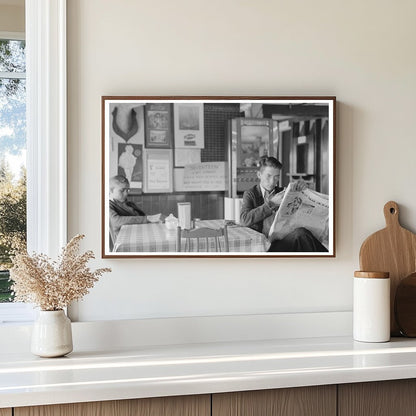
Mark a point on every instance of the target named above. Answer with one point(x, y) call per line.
point(371, 309)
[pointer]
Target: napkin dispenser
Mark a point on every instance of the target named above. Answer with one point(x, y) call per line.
point(184, 215)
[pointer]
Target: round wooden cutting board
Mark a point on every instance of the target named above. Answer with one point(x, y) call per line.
point(392, 250)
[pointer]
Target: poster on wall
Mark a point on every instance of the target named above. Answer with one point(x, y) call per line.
point(158, 171)
point(189, 125)
point(273, 157)
point(130, 163)
point(206, 175)
point(158, 121)
point(125, 129)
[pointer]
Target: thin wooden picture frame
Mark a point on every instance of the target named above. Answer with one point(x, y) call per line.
point(298, 131)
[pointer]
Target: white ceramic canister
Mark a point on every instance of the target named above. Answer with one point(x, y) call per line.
point(371, 309)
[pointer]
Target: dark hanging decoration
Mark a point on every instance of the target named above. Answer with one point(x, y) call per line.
point(132, 127)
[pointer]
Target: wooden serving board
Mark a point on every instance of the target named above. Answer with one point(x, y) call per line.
point(393, 250)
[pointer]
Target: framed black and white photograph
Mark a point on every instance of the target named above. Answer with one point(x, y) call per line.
point(218, 176)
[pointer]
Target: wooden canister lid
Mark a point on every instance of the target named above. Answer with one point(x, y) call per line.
point(372, 275)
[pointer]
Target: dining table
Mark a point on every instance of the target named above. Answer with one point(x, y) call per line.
point(158, 238)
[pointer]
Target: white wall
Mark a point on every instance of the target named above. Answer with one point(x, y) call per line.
point(360, 51)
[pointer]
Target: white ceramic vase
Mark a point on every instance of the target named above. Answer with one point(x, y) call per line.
point(52, 334)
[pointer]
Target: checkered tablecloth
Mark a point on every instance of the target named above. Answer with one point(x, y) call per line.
point(153, 238)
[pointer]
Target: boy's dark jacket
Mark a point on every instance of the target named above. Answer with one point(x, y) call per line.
point(255, 212)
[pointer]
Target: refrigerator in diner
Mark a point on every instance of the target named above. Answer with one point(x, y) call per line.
point(248, 140)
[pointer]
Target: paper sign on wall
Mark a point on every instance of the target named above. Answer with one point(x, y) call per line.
point(206, 176)
point(158, 174)
point(185, 157)
point(189, 125)
point(158, 170)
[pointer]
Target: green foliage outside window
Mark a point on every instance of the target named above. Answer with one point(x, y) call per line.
point(12, 146)
point(12, 224)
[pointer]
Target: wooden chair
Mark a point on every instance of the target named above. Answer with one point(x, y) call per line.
point(193, 239)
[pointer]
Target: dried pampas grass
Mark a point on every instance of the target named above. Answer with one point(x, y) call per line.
point(53, 285)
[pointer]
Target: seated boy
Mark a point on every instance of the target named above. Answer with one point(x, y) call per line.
point(122, 211)
point(258, 210)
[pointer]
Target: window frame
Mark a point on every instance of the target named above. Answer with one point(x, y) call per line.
point(46, 121)
point(14, 312)
point(12, 36)
point(46, 125)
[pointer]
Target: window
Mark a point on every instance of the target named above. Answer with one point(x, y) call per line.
point(12, 154)
point(46, 135)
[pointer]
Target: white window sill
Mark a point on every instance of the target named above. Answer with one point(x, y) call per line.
point(16, 313)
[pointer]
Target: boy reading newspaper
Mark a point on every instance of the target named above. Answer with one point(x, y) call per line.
point(278, 213)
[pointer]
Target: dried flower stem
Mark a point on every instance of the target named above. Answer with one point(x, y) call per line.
point(53, 285)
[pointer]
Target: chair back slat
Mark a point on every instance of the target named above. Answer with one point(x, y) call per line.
point(195, 236)
point(226, 243)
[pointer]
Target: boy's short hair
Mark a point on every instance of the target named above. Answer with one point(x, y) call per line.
point(269, 161)
point(118, 180)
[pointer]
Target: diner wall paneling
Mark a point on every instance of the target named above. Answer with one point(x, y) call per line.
point(161, 406)
point(311, 401)
point(204, 205)
point(246, 48)
point(5, 412)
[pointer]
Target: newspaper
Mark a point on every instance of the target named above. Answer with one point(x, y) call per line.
point(306, 208)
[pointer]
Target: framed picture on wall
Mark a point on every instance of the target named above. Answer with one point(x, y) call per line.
point(218, 176)
point(158, 121)
point(189, 125)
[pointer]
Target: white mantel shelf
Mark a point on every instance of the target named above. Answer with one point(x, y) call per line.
point(151, 371)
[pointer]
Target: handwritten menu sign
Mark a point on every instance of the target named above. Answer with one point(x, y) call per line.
point(158, 171)
point(159, 174)
point(206, 176)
